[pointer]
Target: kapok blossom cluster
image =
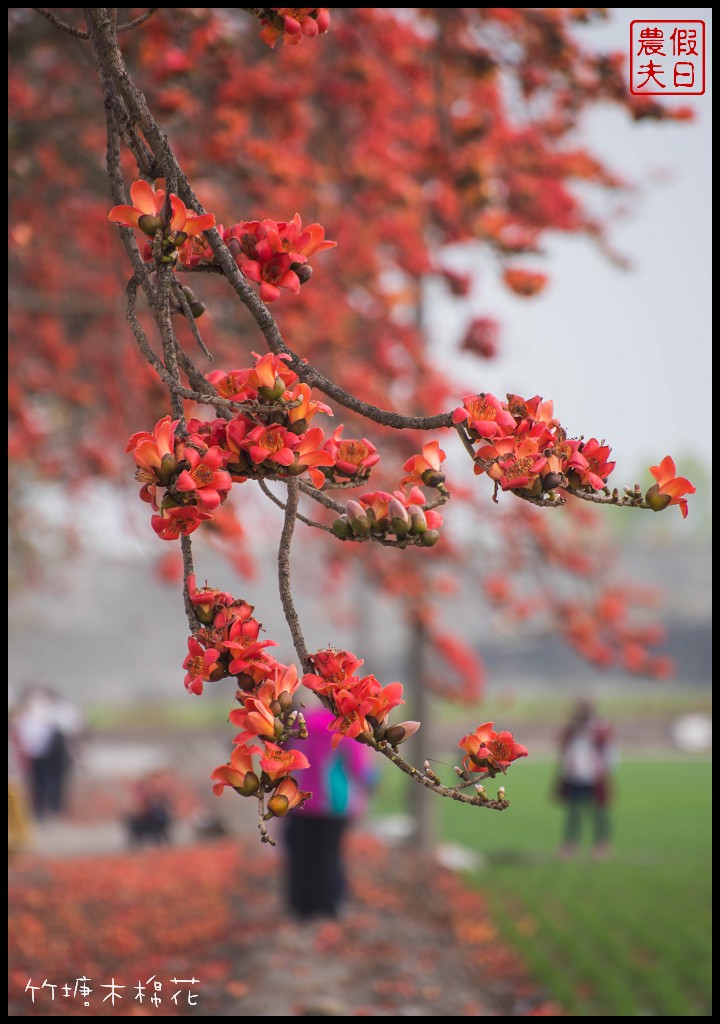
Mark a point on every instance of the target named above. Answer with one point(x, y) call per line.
point(272, 253)
point(361, 703)
point(292, 23)
point(228, 644)
point(524, 448)
point(401, 514)
point(186, 477)
point(261, 764)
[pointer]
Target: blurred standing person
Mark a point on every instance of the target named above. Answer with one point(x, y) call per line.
point(150, 820)
point(587, 758)
point(340, 781)
point(19, 817)
point(45, 732)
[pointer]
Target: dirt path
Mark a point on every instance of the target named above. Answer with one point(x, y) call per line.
point(413, 942)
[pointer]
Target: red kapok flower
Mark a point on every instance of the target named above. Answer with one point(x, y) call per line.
point(524, 282)
point(176, 522)
point(232, 385)
point(303, 408)
point(238, 772)
point(273, 445)
point(481, 337)
point(425, 468)
point(278, 762)
point(589, 466)
point(244, 645)
point(256, 719)
point(148, 203)
point(353, 457)
point(186, 221)
point(486, 416)
point(292, 23)
point(299, 243)
point(272, 272)
point(308, 456)
point(519, 463)
point(206, 599)
point(332, 667)
point(202, 665)
point(270, 376)
point(352, 711)
point(206, 478)
point(487, 750)
point(148, 212)
point(154, 453)
point(669, 489)
point(286, 797)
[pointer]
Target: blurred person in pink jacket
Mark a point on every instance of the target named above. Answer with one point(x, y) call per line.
point(340, 781)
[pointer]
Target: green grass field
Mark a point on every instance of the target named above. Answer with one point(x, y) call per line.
point(627, 937)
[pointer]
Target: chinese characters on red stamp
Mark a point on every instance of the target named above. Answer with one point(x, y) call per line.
point(667, 58)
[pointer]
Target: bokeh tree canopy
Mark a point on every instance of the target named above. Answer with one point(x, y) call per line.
point(368, 142)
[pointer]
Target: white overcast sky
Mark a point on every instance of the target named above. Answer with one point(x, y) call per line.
point(626, 355)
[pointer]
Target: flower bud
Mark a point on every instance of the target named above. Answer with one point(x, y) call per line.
point(150, 223)
point(245, 682)
point(399, 519)
point(169, 502)
point(168, 466)
point(501, 793)
point(553, 480)
point(341, 528)
point(235, 248)
point(433, 478)
point(273, 393)
point(251, 784)
point(304, 272)
point(359, 522)
point(197, 309)
point(656, 499)
point(397, 734)
point(480, 790)
point(418, 522)
point(430, 538)
point(179, 238)
point(278, 805)
point(285, 701)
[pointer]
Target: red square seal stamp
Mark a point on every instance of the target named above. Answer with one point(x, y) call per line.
point(667, 58)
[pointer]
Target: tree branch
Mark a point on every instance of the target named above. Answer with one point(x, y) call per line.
point(140, 20)
point(63, 26)
point(286, 597)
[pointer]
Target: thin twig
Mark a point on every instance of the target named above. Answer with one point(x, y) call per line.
point(437, 787)
point(140, 20)
point(79, 33)
point(185, 305)
point(188, 569)
point(320, 497)
point(286, 598)
point(265, 836)
point(280, 504)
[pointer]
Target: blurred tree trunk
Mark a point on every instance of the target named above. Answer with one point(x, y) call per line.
point(418, 709)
